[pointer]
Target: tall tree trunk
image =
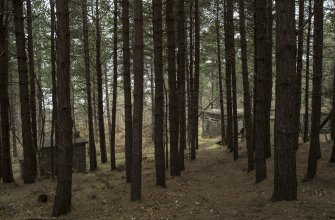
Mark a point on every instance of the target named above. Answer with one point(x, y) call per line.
point(181, 81)
point(229, 134)
point(115, 75)
point(138, 101)
point(231, 68)
point(159, 93)
point(6, 168)
point(166, 124)
point(54, 125)
point(268, 75)
point(62, 203)
point(32, 76)
point(285, 180)
point(191, 102)
point(29, 170)
point(196, 70)
point(246, 94)
point(306, 116)
point(99, 85)
point(173, 95)
point(218, 37)
point(262, 78)
point(127, 89)
point(299, 73)
point(314, 151)
point(13, 116)
point(91, 142)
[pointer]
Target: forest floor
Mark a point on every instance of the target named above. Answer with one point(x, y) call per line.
point(212, 187)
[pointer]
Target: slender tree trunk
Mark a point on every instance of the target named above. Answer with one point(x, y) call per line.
point(333, 107)
point(299, 73)
point(115, 75)
point(159, 93)
point(196, 75)
point(285, 180)
point(6, 168)
point(99, 85)
point(173, 95)
point(181, 81)
point(91, 142)
point(166, 123)
point(62, 203)
point(54, 125)
point(306, 116)
point(223, 132)
point(127, 89)
point(314, 151)
point(138, 101)
point(29, 170)
point(32, 76)
point(229, 134)
point(231, 68)
point(13, 116)
point(191, 102)
point(268, 75)
point(246, 94)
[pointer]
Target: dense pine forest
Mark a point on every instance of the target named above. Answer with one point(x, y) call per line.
point(175, 109)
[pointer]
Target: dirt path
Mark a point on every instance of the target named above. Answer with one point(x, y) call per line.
point(212, 187)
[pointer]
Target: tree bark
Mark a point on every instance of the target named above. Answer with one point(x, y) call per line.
point(138, 101)
point(246, 94)
point(314, 151)
point(159, 93)
point(29, 170)
point(62, 203)
point(173, 95)
point(229, 134)
point(285, 181)
point(223, 132)
point(91, 142)
point(196, 76)
point(260, 99)
point(181, 81)
point(306, 116)
point(5, 160)
point(102, 136)
point(299, 73)
point(127, 89)
point(115, 75)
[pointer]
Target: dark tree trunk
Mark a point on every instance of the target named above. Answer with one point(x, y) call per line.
point(298, 77)
point(159, 93)
point(268, 75)
point(181, 82)
point(32, 76)
point(306, 116)
point(138, 101)
point(196, 70)
point(54, 125)
point(127, 89)
point(173, 95)
point(196, 75)
point(62, 203)
point(5, 160)
point(218, 37)
point(229, 134)
point(191, 102)
point(231, 68)
point(112, 132)
point(246, 94)
point(29, 170)
point(333, 108)
point(102, 136)
point(166, 123)
point(91, 142)
point(13, 117)
point(260, 99)
point(314, 151)
point(285, 181)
